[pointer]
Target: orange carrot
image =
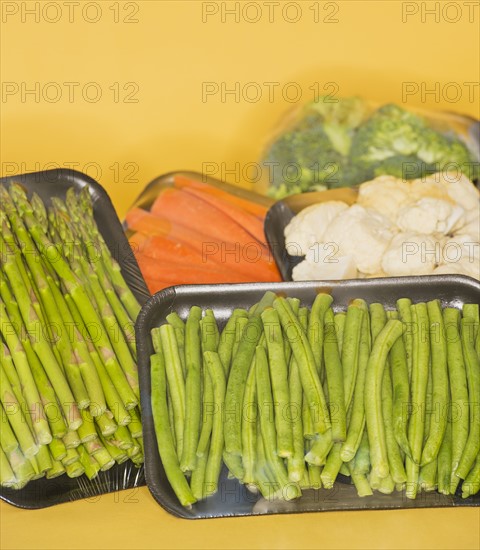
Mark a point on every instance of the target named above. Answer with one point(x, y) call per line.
point(252, 224)
point(180, 273)
point(140, 220)
point(165, 248)
point(198, 215)
point(183, 182)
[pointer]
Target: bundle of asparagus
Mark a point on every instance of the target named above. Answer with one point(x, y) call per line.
point(68, 376)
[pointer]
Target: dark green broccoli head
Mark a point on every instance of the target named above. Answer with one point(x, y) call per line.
point(303, 159)
point(390, 131)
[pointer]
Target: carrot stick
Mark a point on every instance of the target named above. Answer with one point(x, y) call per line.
point(182, 182)
point(140, 220)
point(198, 215)
point(252, 224)
point(178, 272)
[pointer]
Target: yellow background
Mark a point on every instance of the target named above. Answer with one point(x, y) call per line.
point(168, 55)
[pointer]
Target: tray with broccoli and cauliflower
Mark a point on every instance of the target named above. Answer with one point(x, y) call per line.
point(385, 227)
point(368, 190)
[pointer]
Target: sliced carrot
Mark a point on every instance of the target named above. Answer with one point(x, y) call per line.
point(254, 208)
point(252, 224)
point(165, 248)
point(200, 216)
point(181, 273)
point(145, 222)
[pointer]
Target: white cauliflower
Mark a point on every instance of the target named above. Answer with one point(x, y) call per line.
point(323, 263)
point(462, 253)
point(472, 225)
point(461, 190)
point(308, 226)
point(430, 215)
point(361, 233)
point(385, 194)
point(411, 254)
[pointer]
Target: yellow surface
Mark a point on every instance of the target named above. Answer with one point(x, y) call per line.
point(163, 60)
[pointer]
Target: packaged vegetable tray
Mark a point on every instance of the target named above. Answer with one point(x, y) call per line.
point(342, 142)
point(70, 293)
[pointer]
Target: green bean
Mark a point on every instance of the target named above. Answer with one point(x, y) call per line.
point(165, 444)
point(305, 481)
point(296, 463)
point(179, 326)
point(386, 485)
point(249, 426)
point(238, 376)
point(279, 379)
point(395, 461)
point(335, 379)
point(360, 481)
point(472, 313)
point(378, 319)
point(440, 390)
point(444, 468)
point(295, 305)
point(193, 396)
point(307, 423)
point(227, 339)
point(332, 466)
point(350, 348)
point(314, 476)
point(175, 380)
point(405, 315)
point(234, 465)
point(420, 369)
point(427, 477)
point(214, 463)
point(373, 394)
point(320, 447)
point(472, 447)
point(401, 394)
point(315, 331)
point(306, 364)
point(357, 417)
point(240, 325)
point(458, 388)
point(264, 479)
point(267, 425)
point(362, 458)
point(197, 481)
point(471, 485)
point(339, 319)
point(209, 343)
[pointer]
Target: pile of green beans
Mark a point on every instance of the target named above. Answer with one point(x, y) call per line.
point(289, 397)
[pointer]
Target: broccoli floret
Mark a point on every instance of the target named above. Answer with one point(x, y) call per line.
point(302, 159)
point(340, 119)
point(399, 143)
point(311, 155)
point(390, 131)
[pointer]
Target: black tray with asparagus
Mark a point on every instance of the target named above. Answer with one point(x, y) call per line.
point(253, 405)
point(69, 388)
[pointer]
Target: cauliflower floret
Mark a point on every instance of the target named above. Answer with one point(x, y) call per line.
point(362, 233)
point(462, 252)
point(322, 263)
point(385, 194)
point(462, 191)
point(431, 186)
point(472, 225)
point(308, 226)
point(411, 254)
point(430, 216)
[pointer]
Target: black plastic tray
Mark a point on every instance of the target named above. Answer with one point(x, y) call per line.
point(43, 492)
point(233, 499)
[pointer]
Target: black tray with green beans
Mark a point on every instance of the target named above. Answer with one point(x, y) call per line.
point(70, 293)
point(270, 398)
